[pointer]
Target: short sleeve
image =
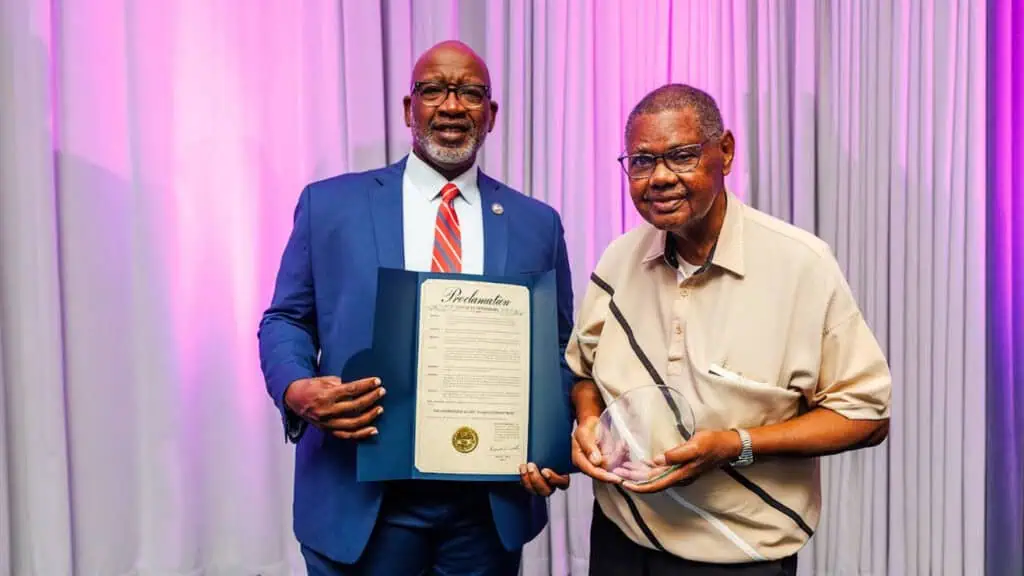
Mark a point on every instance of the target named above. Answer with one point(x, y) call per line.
point(582, 349)
point(854, 378)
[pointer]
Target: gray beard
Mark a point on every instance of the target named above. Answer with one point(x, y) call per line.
point(444, 155)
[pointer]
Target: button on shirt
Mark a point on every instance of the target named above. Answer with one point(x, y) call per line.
point(768, 330)
point(421, 197)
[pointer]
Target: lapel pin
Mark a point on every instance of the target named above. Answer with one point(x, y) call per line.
point(497, 209)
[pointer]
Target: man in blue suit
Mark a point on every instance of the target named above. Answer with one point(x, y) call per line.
point(433, 210)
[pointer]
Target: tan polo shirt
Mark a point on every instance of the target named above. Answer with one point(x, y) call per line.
point(765, 332)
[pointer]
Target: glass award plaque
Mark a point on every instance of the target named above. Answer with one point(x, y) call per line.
point(639, 425)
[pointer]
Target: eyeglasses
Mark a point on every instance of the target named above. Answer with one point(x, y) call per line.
point(680, 160)
point(471, 96)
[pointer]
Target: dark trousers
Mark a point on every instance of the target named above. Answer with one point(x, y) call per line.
point(613, 554)
point(427, 528)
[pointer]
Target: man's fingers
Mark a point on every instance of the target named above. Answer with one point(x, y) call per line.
point(587, 439)
point(349, 390)
point(588, 467)
point(630, 474)
point(533, 481)
point(354, 435)
point(614, 454)
point(554, 479)
point(351, 424)
point(681, 454)
point(658, 485)
point(358, 405)
point(677, 476)
point(524, 479)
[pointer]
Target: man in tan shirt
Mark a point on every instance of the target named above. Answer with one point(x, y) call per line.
point(751, 320)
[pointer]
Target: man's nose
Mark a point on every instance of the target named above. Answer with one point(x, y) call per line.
point(451, 104)
point(662, 176)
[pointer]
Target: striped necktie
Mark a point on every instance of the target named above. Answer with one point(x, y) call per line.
point(447, 237)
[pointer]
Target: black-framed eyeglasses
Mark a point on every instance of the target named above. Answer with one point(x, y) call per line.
point(681, 160)
point(471, 96)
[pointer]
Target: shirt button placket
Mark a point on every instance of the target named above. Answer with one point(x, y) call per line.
point(676, 353)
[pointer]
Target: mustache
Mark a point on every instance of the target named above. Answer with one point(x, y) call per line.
point(468, 125)
point(669, 194)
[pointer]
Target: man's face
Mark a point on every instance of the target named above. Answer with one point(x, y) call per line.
point(449, 132)
point(668, 199)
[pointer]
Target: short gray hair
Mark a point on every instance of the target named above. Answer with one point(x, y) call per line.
point(679, 97)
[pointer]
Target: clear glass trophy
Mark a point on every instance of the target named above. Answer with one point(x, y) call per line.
point(639, 425)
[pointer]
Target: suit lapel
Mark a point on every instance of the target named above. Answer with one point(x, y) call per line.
point(495, 225)
point(386, 204)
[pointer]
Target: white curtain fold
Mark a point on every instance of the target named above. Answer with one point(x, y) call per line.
point(37, 533)
point(152, 152)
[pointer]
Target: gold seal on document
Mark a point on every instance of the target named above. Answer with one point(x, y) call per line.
point(465, 440)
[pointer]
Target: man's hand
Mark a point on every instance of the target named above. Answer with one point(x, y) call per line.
point(342, 409)
point(586, 454)
point(816, 433)
point(706, 450)
point(541, 482)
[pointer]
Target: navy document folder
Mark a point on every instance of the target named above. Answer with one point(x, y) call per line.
point(473, 375)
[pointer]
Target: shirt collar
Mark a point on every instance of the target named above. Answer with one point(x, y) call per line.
point(429, 182)
point(727, 252)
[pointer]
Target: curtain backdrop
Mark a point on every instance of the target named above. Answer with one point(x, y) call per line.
point(152, 152)
point(1005, 477)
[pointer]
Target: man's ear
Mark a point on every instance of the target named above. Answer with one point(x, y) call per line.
point(494, 115)
point(728, 146)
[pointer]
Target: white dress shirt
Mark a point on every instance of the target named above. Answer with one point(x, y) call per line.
point(421, 197)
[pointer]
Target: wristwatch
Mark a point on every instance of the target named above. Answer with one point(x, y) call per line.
point(746, 457)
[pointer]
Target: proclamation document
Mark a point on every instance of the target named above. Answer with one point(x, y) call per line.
point(473, 391)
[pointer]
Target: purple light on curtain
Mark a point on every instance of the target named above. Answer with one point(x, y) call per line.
point(1004, 536)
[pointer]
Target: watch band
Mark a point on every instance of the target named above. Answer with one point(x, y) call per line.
point(746, 457)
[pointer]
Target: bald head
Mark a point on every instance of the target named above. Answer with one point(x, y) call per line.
point(450, 54)
point(449, 107)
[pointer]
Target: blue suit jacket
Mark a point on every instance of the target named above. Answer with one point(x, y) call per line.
point(322, 313)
